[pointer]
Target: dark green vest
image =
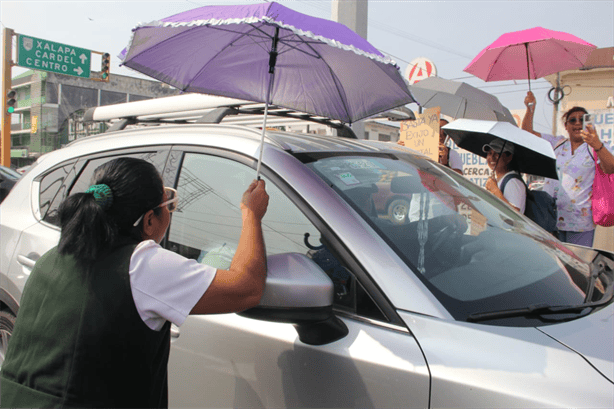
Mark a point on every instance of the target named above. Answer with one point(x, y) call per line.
point(80, 342)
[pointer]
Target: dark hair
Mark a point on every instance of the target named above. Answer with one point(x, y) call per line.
point(88, 229)
point(571, 111)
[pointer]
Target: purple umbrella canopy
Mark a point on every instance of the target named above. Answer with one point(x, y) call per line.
point(272, 54)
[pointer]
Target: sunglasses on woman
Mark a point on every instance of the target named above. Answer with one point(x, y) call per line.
point(171, 203)
point(579, 120)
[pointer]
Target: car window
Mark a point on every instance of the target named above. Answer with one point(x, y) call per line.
point(83, 182)
point(207, 224)
point(52, 190)
point(9, 173)
point(58, 183)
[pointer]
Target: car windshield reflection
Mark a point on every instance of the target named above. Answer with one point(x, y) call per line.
point(472, 250)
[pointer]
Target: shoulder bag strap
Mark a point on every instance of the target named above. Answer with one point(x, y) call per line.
point(508, 178)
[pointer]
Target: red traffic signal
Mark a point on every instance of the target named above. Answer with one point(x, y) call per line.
point(11, 101)
point(105, 69)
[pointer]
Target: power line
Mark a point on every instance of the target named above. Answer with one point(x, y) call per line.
point(462, 78)
point(399, 33)
point(518, 90)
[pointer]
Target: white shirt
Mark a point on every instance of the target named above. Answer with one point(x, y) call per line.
point(455, 161)
point(515, 192)
point(165, 285)
point(436, 206)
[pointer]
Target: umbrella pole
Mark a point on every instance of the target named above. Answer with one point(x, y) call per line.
point(498, 158)
point(266, 112)
point(272, 62)
point(526, 46)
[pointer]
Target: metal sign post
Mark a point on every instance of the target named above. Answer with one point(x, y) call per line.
point(7, 63)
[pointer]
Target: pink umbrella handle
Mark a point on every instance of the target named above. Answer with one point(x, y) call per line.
point(526, 46)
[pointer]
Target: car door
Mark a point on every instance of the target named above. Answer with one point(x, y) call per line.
point(48, 191)
point(232, 361)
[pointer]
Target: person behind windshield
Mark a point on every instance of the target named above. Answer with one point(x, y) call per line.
point(500, 158)
point(575, 163)
point(447, 157)
point(93, 328)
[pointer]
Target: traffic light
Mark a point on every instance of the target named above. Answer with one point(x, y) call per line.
point(105, 70)
point(11, 101)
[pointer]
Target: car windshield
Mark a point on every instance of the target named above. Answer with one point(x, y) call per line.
point(473, 251)
point(9, 173)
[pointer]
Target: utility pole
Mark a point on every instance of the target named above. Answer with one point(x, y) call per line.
point(354, 15)
point(558, 95)
point(7, 63)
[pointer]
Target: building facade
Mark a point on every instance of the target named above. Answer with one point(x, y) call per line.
point(591, 86)
point(50, 107)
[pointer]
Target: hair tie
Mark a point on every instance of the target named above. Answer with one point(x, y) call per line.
point(102, 195)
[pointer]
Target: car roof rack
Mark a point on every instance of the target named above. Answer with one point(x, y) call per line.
point(201, 109)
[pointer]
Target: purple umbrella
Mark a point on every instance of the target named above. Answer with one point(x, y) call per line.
point(272, 54)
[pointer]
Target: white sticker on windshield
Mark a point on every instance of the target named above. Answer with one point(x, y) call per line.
point(348, 178)
point(364, 164)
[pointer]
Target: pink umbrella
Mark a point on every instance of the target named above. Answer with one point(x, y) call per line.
point(532, 53)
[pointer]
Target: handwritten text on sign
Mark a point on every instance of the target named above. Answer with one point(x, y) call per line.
point(422, 135)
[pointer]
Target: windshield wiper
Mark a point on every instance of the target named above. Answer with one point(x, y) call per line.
point(543, 309)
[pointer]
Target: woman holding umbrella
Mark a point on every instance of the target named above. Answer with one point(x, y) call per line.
point(94, 325)
point(575, 157)
point(505, 181)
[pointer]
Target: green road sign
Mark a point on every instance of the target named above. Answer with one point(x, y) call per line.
point(19, 153)
point(45, 55)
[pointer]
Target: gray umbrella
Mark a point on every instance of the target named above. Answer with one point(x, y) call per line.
point(460, 100)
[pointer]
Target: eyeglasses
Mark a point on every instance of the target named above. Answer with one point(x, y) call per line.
point(576, 120)
point(171, 203)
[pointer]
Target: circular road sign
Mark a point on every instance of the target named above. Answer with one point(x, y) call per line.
point(419, 69)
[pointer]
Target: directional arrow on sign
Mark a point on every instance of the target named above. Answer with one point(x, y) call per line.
point(78, 70)
point(83, 58)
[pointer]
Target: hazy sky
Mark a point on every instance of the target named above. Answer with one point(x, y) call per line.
point(450, 33)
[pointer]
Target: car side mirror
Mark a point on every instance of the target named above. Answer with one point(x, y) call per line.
point(299, 292)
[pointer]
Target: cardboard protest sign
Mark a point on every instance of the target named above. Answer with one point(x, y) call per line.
point(422, 135)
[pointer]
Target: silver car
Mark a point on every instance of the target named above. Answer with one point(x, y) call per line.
point(462, 303)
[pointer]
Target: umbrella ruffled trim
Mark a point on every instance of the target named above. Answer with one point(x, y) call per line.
point(268, 20)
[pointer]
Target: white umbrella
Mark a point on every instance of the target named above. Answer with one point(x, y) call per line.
point(534, 155)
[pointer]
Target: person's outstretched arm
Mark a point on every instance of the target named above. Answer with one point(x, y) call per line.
point(241, 287)
point(527, 121)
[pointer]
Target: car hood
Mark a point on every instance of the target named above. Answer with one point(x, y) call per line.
point(591, 336)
